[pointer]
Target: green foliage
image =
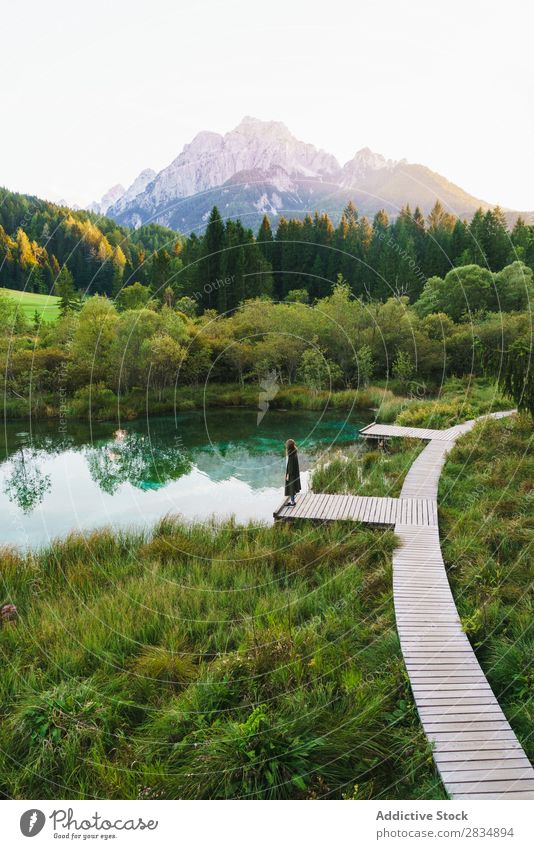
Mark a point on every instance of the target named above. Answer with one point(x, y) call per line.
point(458, 401)
point(301, 260)
point(94, 401)
point(403, 367)
point(463, 291)
point(517, 374)
point(369, 314)
point(318, 372)
point(135, 296)
point(360, 471)
point(297, 296)
point(64, 289)
point(365, 365)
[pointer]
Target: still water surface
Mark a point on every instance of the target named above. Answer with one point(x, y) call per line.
point(218, 463)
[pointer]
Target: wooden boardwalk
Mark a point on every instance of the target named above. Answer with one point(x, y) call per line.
point(386, 431)
point(375, 511)
point(475, 749)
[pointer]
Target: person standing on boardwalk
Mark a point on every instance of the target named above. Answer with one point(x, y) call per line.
point(292, 485)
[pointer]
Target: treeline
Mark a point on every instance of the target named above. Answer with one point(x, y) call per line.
point(298, 261)
point(302, 259)
point(110, 349)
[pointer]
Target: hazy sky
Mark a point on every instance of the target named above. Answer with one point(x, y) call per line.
point(94, 92)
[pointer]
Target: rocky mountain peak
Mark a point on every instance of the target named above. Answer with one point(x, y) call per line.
point(362, 164)
point(260, 166)
point(107, 200)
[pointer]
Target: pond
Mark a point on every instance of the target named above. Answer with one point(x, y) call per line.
point(220, 462)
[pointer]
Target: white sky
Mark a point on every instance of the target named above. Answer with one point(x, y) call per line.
point(94, 92)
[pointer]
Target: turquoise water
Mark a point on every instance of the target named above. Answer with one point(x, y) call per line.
point(200, 465)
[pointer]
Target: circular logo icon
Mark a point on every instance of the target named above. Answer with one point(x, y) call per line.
point(32, 822)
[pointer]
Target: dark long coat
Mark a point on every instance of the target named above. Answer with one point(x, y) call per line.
point(292, 475)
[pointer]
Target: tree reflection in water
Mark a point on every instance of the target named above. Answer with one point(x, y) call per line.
point(26, 485)
point(138, 459)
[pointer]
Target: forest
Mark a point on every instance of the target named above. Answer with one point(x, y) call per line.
point(299, 259)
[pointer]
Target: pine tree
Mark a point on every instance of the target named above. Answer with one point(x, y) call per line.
point(495, 239)
point(265, 239)
point(476, 238)
point(69, 299)
point(212, 264)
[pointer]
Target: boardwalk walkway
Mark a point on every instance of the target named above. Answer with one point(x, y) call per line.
point(476, 752)
point(360, 508)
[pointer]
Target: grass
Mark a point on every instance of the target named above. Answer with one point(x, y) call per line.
point(459, 400)
point(46, 306)
point(102, 404)
point(486, 523)
point(360, 471)
point(208, 662)
point(363, 470)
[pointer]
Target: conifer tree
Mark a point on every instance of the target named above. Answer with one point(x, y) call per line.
point(213, 245)
point(69, 299)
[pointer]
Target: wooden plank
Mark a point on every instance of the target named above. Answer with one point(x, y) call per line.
point(340, 504)
point(459, 702)
point(354, 508)
point(332, 508)
point(369, 508)
point(479, 742)
point(496, 757)
point(514, 784)
point(375, 515)
point(451, 712)
point(315, 505)
point(493, 795)
point(321, 509)
point(486, 774)
point(304, 506)
point(443, 739)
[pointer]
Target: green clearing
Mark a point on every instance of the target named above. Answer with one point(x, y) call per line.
point(47, 306)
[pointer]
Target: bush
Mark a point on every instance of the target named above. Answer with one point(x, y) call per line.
point(95, 401)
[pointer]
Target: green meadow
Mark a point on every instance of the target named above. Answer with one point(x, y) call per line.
point(46, 306)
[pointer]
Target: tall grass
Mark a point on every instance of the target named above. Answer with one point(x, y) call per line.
point(366, 471)
point(459, 400)
point(102, 403)
point(207, 662)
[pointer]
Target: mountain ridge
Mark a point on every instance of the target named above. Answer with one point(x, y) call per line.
point(261, 167)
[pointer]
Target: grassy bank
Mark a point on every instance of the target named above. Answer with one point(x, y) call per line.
point(365, 470)
point(487, 523)
point(457, 400)
point(237, 662)
point(102, 404)
point(368, 471)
